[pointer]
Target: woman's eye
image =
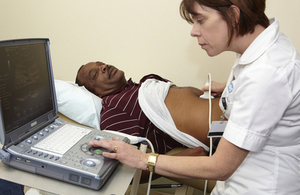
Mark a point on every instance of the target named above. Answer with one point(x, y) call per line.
point(200, 21)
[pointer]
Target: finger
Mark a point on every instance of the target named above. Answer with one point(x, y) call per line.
point(105, 144)
point(110, 155)
point(205, 88)
point(115, 139)
point(215, 94)
point(94, 143)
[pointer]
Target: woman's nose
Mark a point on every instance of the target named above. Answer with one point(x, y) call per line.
point(195, 32)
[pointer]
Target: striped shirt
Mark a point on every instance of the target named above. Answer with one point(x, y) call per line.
point(122, 112)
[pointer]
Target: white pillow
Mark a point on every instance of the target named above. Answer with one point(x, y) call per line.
point(78, 104)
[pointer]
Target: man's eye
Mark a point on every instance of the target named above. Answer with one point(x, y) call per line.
point(95, 75)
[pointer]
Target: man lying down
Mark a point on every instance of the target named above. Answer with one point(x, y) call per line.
point(169, 116)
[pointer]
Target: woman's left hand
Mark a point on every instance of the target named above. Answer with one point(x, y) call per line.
point(123, 152)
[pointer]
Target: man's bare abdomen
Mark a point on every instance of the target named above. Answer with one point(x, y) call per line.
point(190, 113)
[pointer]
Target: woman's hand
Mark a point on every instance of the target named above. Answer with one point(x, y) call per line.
point(216, 88)
point(125, 153)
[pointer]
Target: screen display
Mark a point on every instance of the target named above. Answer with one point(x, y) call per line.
point(25, 92)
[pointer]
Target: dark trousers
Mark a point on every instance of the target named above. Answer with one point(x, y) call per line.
point(10, 188)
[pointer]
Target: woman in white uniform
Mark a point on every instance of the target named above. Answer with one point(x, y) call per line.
point(259, 152)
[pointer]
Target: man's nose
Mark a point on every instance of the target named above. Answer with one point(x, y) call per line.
point(104, 68)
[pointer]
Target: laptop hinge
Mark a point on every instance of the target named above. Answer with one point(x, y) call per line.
point(4, 156)
point(32, 131)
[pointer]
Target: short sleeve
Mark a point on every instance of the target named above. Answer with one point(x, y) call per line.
point(261, 96)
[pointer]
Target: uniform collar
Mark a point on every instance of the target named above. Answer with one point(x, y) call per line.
point(260, 44)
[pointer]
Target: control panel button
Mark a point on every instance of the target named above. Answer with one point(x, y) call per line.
point(89, 163)
point(98, 151)
point(28, 141)
point(98, 138)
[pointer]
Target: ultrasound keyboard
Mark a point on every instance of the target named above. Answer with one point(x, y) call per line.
point(67, 136)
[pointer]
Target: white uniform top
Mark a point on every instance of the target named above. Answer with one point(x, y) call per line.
point(263, 111)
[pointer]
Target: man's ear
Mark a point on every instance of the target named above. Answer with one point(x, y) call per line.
point(235, 15)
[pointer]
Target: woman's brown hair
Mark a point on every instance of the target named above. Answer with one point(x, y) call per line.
point(252, 13)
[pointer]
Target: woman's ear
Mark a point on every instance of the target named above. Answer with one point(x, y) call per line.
point(235, 15)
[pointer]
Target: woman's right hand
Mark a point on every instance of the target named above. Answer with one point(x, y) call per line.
point(216, 88)
point(123, 152)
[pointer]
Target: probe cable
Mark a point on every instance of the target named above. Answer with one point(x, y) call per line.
point(151, 173)
point(209, 123)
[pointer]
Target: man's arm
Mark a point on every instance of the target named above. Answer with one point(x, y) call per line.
point(199, 151)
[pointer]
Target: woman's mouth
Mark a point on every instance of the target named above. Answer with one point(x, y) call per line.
point(202, 45)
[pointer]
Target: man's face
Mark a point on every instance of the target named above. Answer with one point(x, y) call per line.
point(101, 79)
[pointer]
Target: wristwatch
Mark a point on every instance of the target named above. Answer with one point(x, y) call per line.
point(151, 162)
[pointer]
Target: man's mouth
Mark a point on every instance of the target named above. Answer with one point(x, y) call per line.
point(112, 71)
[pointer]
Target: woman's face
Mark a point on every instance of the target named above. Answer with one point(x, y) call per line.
point(210, 29)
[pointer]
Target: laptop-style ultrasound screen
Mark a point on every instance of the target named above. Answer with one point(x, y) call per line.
point(25, 92)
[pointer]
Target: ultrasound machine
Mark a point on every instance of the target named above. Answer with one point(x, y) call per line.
point(34, 138)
